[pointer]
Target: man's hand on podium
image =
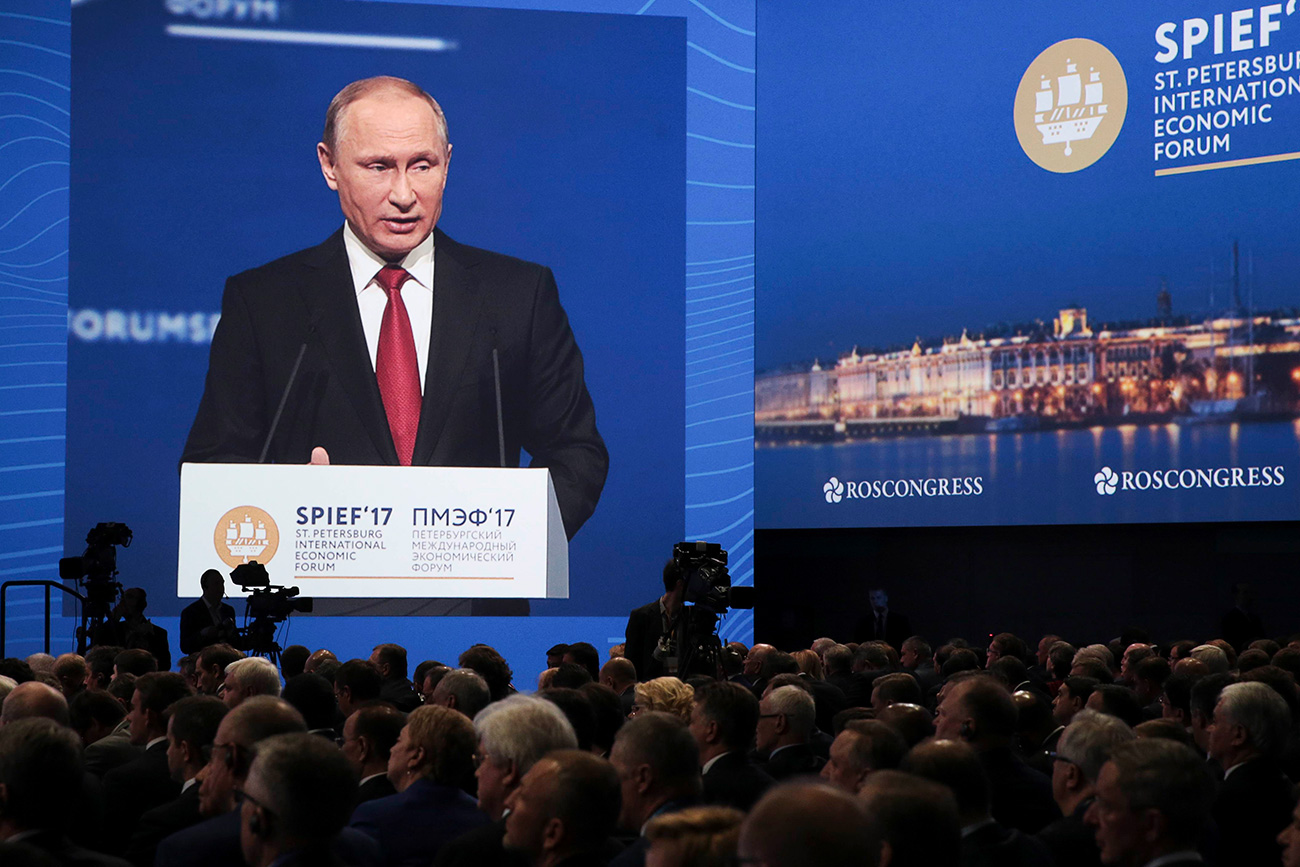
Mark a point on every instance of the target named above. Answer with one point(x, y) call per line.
point(320, 457)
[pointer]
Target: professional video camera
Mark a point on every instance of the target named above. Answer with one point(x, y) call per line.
point(708, 595)
point(96, 569)
point(268, 606)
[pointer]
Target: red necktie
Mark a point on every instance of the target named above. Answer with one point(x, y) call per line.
point(396, 366)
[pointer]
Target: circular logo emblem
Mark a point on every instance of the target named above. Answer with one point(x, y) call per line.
point(1070, 105)
point(246, 533)
point(1105, 481)
point(834, 490)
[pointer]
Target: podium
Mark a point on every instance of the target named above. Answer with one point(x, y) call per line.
point(376, 531)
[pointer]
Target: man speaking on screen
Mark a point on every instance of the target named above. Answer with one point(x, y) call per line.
point(410, 348)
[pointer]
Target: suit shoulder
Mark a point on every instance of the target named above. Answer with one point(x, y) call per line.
point(489, 261)
point(294, 262)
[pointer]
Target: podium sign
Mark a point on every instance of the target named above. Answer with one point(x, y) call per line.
point(352, 531)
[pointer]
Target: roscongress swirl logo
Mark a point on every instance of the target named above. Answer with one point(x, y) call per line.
point(1106, 480)
point(834, 490)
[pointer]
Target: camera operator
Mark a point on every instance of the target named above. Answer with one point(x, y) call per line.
point(127, 627)
point(648, 625)
point(207, 620)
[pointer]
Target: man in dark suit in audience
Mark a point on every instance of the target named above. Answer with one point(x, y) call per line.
point(864, 747)
point(619, 674)
point(208, 619)
point(658, 766)
point(724, 718)
point(390, 659)
point(1085, 746)
point(563, 811)
point(191, 726)
point(145, 782)
point(1153, 802)
point(368, 738)
point(1250, 729)
point(105, 729)
point(786, 718)
point(40, 763)
point(978, 709)
point(513, 735)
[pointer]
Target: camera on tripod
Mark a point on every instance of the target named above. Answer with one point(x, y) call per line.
point(694, 645)
point(96, 570)
point(268, 605)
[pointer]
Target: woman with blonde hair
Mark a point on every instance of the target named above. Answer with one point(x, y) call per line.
point(667, 694)
point(809, 663)
point(697, 837)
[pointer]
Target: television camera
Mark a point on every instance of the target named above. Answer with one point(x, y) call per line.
point(707, 595)
point(267, 607)
point(96, 571)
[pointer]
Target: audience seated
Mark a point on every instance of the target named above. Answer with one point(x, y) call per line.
point(390, 659)
point(463, 690)
point(368, 739)
point(786, 717)
point(724, 718)
point(358, 681)
point(658, 767)
point(695, 837)
point(666, 694)
point(804, 823)
point(860, 749)
point(917, 820)
point(1086, 745)
point(210, 668)
point(101, 722)
point(563, 810)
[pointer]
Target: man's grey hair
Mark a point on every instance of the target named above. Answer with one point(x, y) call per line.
point(796, 705)
point(838, 659)
point(469, 688)
point(261, 717)
point(1213, 657)
point(357, 90)
point(256, 675)
point(1258, 709)
point(1090, 738)
point(41, 663)
point(1156, 773)
point(1099, 652)
point(662, 741)
point(521, 729)
point(306, 782)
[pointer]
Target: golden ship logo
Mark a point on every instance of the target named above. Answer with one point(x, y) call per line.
point(1059, 104)
point(246, 533)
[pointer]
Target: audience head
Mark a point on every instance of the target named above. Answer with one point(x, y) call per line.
point(785, 717)
point(977, 709)
point(1060, 658)
point(1118, 701)
point(369, 735)
point(839, 660)
point(893, 688)
point(1153, 798)
point(390, 659)
point(154, 693)
point(429, 681)
point(240, 731)
point(666, 694)
point(313, 696)
point(1205, 695)
point(462, 689)
point(955, 765)
point(917, 819)
point(802, 824)
point(555, 655)
point(317, 658)
point(71, 671)
point(1072, 697)
point(1250, 721)
point(298, 796)
point(1085, 745)
point(436, 745)
point(657, 760)
point(93, 714)
point(192, 724)
point(246, 678)
point(914, 652)
point(292, 661)
point(566, 804)
point(491, 666)
point(585, 655)
point(40, 769)
point(570, 675)
point(861, 749)
point(513, 735)
point(724, 717)
point(608, 709)
point(618, 674)
point(912, 722)
point(34, 699)
point(99, 665)
point(357, 682)
point(1165, 728)
point(134, 661)
point(694, 837)
point(1176, 699)
point(1213, 657)
point(211, 666)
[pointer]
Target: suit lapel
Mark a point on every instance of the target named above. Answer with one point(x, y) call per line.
point(332, 300)
point(456, 307)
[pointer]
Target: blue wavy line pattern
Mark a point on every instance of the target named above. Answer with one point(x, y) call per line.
point(35, 102)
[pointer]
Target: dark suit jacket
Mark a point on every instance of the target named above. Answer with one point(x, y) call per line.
point(996, 846)
point(897, 629)
point(67, 853)
point(413, 825)
point(132, 789)
point(1072, 842)
point(644, 627)
point(215, 843)
point(735, 781)
point(401, 693)
point(1019, 796)
point(161, 822)
point(482, 301)
point(481, 847)
point(111, 751)
point(194, 619)
point(634, 854)
point(794, 761)
point(379, 787)
point(1253, 804)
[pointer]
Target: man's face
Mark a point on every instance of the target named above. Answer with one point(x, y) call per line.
point(1289, 840)
point(217, 791)
point(1118, 829)
point(766, 736)
point(214, 589)
point(351, 743)
point(1063, 708)
point(175, 755)
point(700, 726)
point(1044, 645)
point(232, 695)
point(529, 806)
point(139, 721)
point(879, 599)
point(949, 715)
point(251, 844)
point(1220, 736)
point(628, 786)
point(908, 658)
point(427, 689)
point(495, 783)
point(839, 771)
point(209, 680)
point(389, 168)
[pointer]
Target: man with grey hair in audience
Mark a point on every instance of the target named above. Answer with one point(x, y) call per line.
point(859, 750)
point(1152, 804)
point(1085, 745)
point(513, 736)
point(463, 690)
point(658, 765)
point(1213, 657)
point(34, 699)
point(246, 678)
point(563, 811)
point(1249, 730)
point(786, 717)
point(296, 800)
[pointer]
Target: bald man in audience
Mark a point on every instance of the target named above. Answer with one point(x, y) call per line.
point(801, 824)
point(563, 811)
point(71, 671)
point(462, 689)
point(619, 674)
point(34, 699)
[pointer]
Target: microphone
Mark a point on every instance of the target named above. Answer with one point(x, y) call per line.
point(496, 381)
point(284, 397)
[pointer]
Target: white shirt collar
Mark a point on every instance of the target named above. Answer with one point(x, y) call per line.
point(365, 780)
point(1185, 855)
point(365, 263)
point(159, 740)
point(710, 763)
point(185, 786)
